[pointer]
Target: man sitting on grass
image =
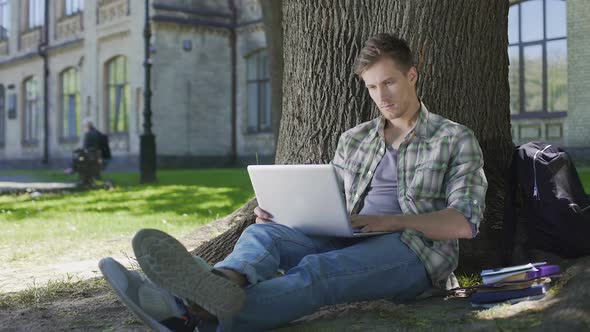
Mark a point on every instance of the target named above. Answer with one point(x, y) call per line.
point(409, 171)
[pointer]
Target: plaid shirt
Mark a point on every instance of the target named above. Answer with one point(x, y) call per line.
point(440, 165)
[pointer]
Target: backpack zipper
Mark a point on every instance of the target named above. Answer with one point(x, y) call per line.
point(535, 188)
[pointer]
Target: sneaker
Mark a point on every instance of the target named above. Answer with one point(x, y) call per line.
point(168, 264)
point(154, 306)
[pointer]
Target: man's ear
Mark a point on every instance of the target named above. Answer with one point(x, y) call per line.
point(413, 74)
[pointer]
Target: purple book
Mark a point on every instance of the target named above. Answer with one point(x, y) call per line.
point(542, 271)
point(504, 295)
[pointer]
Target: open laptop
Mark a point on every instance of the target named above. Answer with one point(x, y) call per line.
point(304, 197)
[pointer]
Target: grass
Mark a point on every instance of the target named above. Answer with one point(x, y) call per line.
point(85, 225)
point(584, 173)
point(468, 280)
point(97, 223)
point(36, 296)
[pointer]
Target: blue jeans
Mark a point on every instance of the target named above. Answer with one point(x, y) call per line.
point(319, 271)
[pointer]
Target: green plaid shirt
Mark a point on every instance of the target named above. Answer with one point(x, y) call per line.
point(440, 165)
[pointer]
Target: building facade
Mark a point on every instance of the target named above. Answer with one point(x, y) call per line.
point(549, 48)
point(210, 80)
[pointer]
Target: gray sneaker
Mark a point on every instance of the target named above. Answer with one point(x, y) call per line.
point(154, 306)
point(168, 264)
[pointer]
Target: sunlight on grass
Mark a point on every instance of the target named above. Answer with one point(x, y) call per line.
point(584, 173)
point(37, 295)
point(468, 280)
point(89, 224)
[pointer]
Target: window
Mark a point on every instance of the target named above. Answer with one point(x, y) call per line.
point(258, 87)
point(70, 103)
point(36, 13)
point(2, 115)
point(117, 95)
point(4, 19)
point(31, 111)
point(538, 57)
point(72, 7)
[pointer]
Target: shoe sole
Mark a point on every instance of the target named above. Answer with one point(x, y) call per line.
point(169, 265)
point(119, 279)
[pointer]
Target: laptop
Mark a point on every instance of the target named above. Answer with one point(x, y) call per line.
point(304, 197)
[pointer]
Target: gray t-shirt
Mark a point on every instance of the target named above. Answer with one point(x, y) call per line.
point(381, 198)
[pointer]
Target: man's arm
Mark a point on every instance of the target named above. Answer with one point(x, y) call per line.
point(465, 190)
point(447, 224)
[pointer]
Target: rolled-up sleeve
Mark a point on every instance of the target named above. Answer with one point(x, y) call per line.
point(466, 182)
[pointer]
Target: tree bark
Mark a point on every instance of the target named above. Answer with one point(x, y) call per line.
point(272, 13)
point(460, 46)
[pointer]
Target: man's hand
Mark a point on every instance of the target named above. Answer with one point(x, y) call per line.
point(262, 217)
point(369, 223)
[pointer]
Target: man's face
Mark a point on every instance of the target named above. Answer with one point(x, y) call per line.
point(392, 91)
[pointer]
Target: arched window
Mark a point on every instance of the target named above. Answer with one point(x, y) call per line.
point(258, 85)
point(70, 103)
point(2, 116)
point(31, 117)
point(117, 94)
point(538, 58)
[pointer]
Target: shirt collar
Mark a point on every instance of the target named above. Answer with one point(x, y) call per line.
point(420, 129)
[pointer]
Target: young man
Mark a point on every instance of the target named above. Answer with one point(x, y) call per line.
point(409, 171)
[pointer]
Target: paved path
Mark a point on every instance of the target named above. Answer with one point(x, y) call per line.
point(18, 183)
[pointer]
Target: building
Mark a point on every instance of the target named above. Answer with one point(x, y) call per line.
point(210, 78)
point(95, 56)
point(549, 48)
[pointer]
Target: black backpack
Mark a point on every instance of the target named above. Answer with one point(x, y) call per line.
point(545, 190)
point(103, 141)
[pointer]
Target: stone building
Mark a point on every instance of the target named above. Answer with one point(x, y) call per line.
point(549, 48)
point(210, 80)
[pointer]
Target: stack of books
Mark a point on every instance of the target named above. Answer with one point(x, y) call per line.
point(514, 284)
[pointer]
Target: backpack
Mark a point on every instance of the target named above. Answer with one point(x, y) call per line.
point(103, 141)
point(544, 186)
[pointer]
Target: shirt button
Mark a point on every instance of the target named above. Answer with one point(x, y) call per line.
point(474, 202)
point(381, 150)
point(356, 195)
point(369, 172)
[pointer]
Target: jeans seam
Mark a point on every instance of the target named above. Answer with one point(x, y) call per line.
point(389, 267)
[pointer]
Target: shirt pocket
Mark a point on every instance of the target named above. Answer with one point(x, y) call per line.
point(428, 181)
point(349, 172)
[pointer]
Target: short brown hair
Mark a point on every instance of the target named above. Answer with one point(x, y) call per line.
point(384, 45)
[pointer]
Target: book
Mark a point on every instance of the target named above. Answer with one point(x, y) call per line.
point(512, 285)
point(511, 301)
point(540, 272)
point(504, 295)
point(506, 270)
point(519, 273)
point(496, 275)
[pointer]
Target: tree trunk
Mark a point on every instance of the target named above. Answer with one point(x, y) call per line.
point(272, 13)
point(460, 46)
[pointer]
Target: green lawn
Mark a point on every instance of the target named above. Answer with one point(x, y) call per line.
point(584, 173)
point(90, 224)
point(97, 223)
